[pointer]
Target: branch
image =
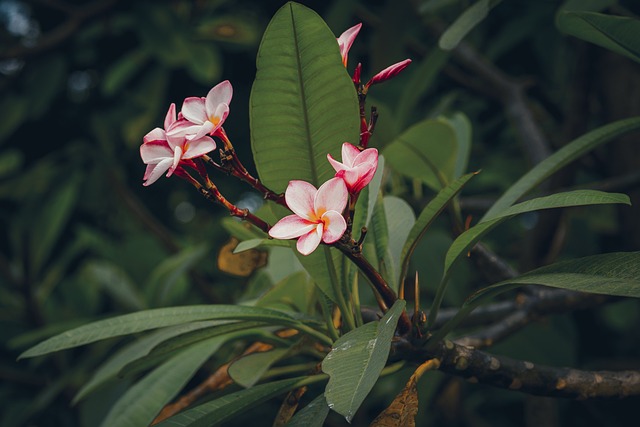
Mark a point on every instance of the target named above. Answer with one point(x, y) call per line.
point(504, 372)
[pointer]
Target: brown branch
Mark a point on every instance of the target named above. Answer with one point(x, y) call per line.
point(57, 36)
point(504, 372)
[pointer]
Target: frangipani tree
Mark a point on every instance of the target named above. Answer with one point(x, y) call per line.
point(324, 203)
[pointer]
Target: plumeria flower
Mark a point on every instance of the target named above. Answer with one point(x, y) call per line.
point(317, 214)
point(164, 153)
point(357, 167)
point(204, 116)
point(346, 40)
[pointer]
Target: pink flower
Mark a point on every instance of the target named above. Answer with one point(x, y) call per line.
point(317, 214)
point(204, 116)
point(162, 152)
point(389, 72)
point(357, 167)
point(346, 40)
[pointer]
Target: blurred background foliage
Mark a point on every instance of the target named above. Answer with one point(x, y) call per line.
point(81, 239)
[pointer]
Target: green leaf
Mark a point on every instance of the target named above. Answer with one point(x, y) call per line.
point(115, 281)
point(231, 330)
point(586, 5)
point(259, 243)
point(142, 402)
point(615, 274)
point(379, 235)
point(324, 265)
point(122, 71)
point(312, 415)
point(561, 200)
point(466, 22)
point(303, 104)
point(155, 318)
point(13, 109)
point(610, 274)
point(137, 350)
point(558, 160)
point(426, 218)
point(248, 370)
point(426, 151)
point(294, 292)
point(224, 408)
point(205, 63)
point(616, 33)
point(169, 271)
point(356, 360)
point(462, 127)
point(368, 198)
point(57, 210)
point(401, 221)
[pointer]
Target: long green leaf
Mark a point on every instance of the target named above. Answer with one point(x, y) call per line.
point(312, 415)
point(426, 151)
point(610, 274)
point(356, 360)
point(152, 319)
point(137, 350)
point(426, 218)
point(248, 370)
point(222, 409)
point(466, 22)
point(303, 104)
point(616, 33)
point(561, 200)
point(142, 402)
point(466, 240)
point(558, 160)
point(401, 220)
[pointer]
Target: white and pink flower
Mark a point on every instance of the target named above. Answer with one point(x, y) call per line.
point(162, 152)
point(204, 116)
point(317, 214)
point(357, 167)
point(346, 40)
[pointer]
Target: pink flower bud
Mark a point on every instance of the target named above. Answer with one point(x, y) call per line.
point(389, 72)
point(345, 41)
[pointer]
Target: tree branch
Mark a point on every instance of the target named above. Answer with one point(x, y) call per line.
point(504, 372)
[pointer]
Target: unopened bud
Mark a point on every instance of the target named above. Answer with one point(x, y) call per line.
point(389, 72)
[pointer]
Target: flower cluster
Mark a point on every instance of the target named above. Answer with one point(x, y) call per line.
point(318, 214)
point(186, 136)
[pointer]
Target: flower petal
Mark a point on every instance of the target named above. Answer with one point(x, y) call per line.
point(199, 147)
point(170, 118)
point(308, 243)
point(219, 94)
point(334, 226)
point(336, 164)
point(299, 197)
point(349, 154)
point(370, 155)
point(177, 156)
point(153, 152)
point(388, 73)
point(357, 178)
point(345, 41)
point(331, 196)
point(155, 135)
point(154, 172)
point(290, 227)
point(204, 130)
point(194, 111)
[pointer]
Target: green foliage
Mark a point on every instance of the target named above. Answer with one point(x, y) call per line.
point(465, 23)
point(224, 408)
point(616, 33)
point(302, 102)
point(356, 360)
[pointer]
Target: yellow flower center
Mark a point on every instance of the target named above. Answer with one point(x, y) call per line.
point(215, 120)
